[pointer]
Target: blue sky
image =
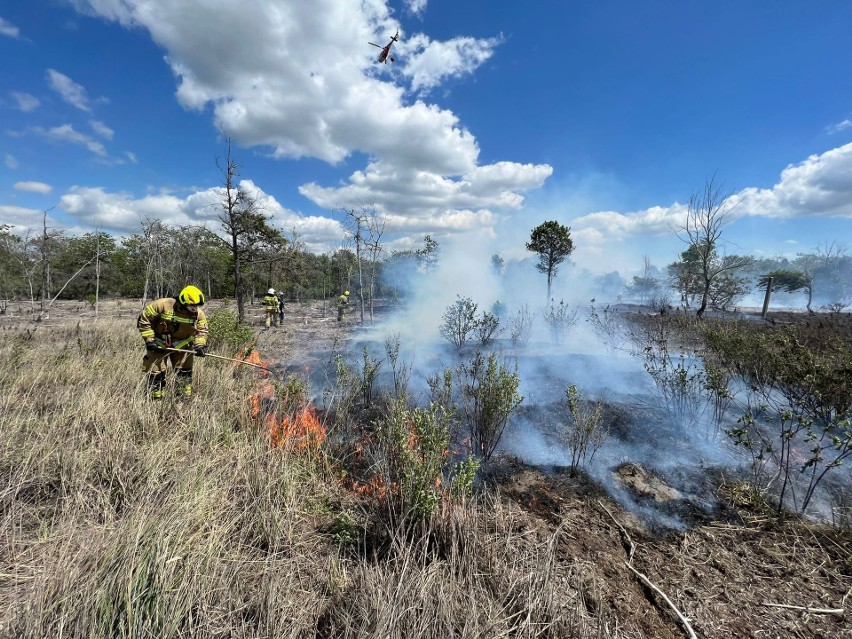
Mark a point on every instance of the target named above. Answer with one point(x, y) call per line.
point(495, 117)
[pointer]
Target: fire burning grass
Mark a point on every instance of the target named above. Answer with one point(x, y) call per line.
point(123, 518)
point(295, 429)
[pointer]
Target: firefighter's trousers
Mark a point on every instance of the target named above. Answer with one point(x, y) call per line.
point(156, 364)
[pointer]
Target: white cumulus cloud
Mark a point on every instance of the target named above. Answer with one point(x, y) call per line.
point(839, 126)
point(417, 7)
point(34, 187)
point(429, 62)
point(9, 29)
point(101, 129)
point(821, 186)
point(124, 213)
point(67, 133)
point(301, 80)
point(21, 218)
point(73, 93)
point(26, 102)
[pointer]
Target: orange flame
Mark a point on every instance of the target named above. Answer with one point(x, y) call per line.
point(376, 486)
point(301, 431)
point(263, 391)
point(255, 358)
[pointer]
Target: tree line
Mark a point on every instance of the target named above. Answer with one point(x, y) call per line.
point(247, 254)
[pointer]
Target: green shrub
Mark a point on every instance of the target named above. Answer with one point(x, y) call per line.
point(797, 397)
point(586, 432)
point(459, 321)
point(488, 391)
point(228, 334)
point(411, 452)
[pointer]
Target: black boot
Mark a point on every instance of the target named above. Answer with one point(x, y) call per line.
point(156, 385)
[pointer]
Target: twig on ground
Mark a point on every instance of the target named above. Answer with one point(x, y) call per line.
point(815, 611)
point(679, 614)
point(843, 601)
point(632, 547)
point(629, 563)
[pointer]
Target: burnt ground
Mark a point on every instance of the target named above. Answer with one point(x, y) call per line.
point(721, 575)
point(722, 569)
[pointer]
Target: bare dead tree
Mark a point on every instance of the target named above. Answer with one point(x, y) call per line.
point(45, 313)
point(375, 250)
point(366, 229)
point(230, 221)
point(251, 240)
point(44, 247)
point(708, 212)
point(97, 271)
point(25, 258)
point(153, 230)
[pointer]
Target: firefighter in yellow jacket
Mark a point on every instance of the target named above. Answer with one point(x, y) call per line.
point(173, 323)
point(342, 303)
point(271, 304)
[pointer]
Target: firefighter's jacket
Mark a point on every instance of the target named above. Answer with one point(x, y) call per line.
point(271, 303)
point(168, 322)
point(342, 301)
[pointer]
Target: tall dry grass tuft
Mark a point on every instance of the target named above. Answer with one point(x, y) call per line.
point(125, 518)
point(475, 571)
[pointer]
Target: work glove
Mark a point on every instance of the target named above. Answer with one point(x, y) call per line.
point(153, 347)
point(200, 351)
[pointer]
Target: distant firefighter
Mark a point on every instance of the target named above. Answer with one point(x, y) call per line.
point(342, 303)
point(272, 306)
point(280, 307)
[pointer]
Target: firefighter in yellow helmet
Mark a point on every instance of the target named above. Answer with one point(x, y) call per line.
point(173, 323)
point(271, 305)
point(342, 303)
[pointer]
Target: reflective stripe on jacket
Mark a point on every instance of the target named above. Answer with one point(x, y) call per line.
point(271, 303)
point(163, 321)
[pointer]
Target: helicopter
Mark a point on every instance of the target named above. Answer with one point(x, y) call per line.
point(385, 53)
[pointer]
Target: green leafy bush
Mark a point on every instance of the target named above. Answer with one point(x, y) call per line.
point(488, 391)
point(797, 402)
point(586, 432)
point(228, 334)
point(459, 321)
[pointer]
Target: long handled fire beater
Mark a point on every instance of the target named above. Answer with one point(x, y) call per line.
point(228, 359)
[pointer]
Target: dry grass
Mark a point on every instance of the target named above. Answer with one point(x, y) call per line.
point(124, 518)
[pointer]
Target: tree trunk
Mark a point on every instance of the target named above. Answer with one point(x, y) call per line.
point(97, 274)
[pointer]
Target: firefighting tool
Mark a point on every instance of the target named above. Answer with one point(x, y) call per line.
point(206, 354)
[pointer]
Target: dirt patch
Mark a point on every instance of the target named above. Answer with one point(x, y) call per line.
point(645, 484)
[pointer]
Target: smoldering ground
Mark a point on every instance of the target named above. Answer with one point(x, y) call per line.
point(665, 465)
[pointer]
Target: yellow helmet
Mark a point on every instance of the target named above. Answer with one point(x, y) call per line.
point(346, 293)
point(191, 295)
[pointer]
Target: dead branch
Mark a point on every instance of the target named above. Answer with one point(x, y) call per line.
point(679, 614)
point(632, 547)
point(45, 313)
point(814, 611)
point(629, 563)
